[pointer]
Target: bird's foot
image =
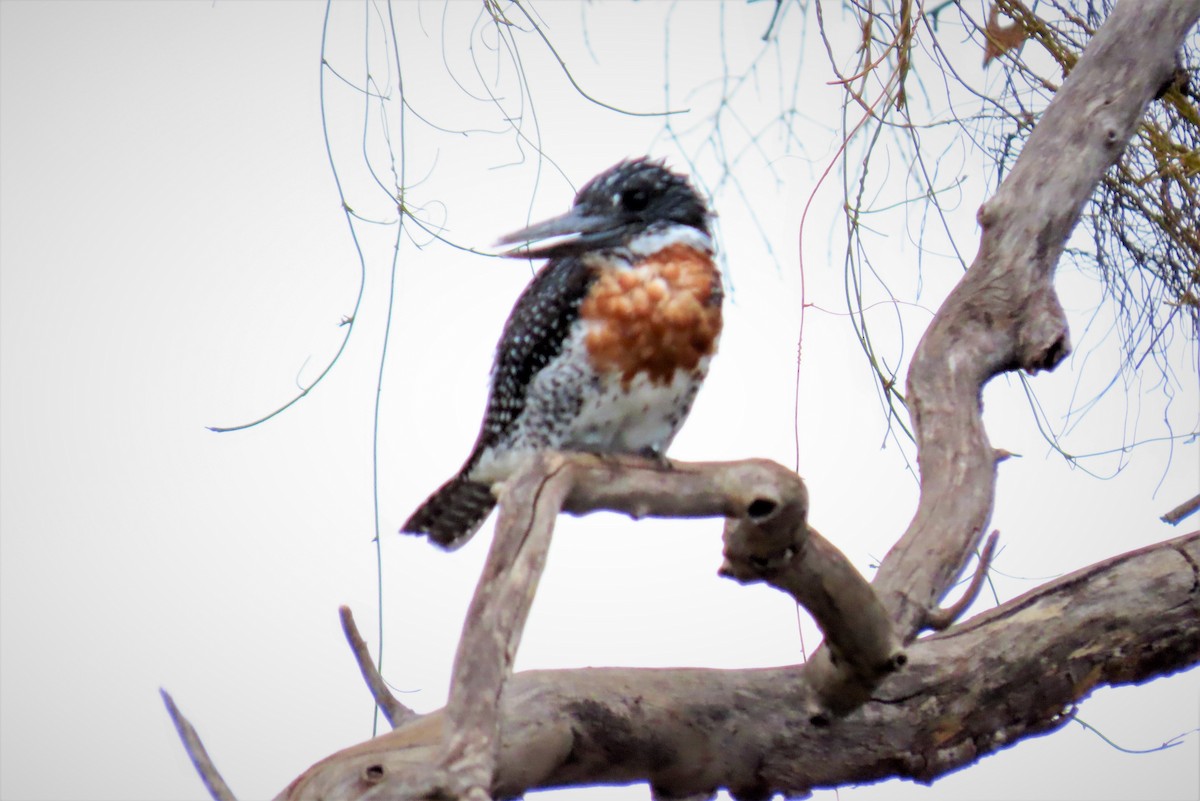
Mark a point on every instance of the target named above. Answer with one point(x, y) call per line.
point(656, 456)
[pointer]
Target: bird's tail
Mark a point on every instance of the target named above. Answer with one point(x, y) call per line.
point(450, 516)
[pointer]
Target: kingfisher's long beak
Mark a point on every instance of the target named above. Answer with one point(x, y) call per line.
point(569, 234)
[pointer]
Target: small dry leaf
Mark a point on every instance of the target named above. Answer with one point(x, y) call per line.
point(1001, 38)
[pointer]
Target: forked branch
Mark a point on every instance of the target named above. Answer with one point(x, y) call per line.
point(1009, 673)
point(767, 539)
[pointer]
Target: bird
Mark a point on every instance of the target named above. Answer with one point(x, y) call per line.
point(608, 345)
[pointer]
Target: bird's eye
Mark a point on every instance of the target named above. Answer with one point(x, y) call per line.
point(635, 199)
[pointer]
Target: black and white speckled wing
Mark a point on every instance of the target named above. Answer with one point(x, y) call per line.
point(533, 336)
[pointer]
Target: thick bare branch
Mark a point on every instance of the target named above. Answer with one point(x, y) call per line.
point(767, 539)
point(1004, 314)
point(645, 488)
point(529, 504)
point(1010, 673)
point(861, 647)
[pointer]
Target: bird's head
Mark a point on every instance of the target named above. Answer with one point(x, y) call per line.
point(628, 200)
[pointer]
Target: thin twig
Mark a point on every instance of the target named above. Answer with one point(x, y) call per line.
point(395, 712)
point(217, 787)
point(567, 71)
point(1171, 743)
point(940, 619)
point(1182, 511)
point(349, 320)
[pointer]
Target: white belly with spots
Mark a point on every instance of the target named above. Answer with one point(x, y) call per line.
point(644, 416)
point(571, 407)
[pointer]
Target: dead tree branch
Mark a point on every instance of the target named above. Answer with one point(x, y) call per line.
point(1004, 314)
point(213, 782)
point(767, 539)
point(978, 686)
point(1009, 673)
point(395, 712)
point(1183, 510)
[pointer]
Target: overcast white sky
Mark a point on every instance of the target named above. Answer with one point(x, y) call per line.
point(174, 255)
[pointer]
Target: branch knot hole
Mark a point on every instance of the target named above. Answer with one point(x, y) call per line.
point(760, 509)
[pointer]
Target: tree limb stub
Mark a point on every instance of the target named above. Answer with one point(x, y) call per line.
point(1182, 511)
point(395, 712)
point(213, 782)
point(1009, 673)
point(1004, 313)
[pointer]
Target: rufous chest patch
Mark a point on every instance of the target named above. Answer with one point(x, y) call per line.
point(662, 315)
